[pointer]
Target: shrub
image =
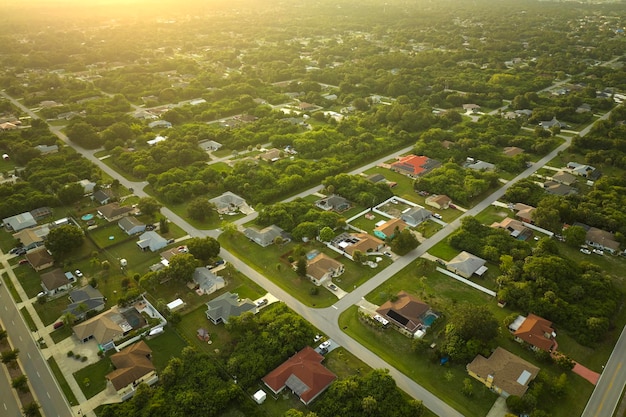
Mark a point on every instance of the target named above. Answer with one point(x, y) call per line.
point(70, 354)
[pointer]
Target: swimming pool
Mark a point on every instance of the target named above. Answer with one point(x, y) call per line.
point(312, 254)
point(87, 217)
point(429, 319)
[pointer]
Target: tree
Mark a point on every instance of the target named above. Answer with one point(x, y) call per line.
point(203, 249)
point(31, 410)
point(71, 193)
point(301, 266)
point(68, 319)
point(404, 242)
point(574, 236)
point(164, 226)
point(181, 267)
point(10, 356)
point(468, 387)
point(200, 208)
point(148, 206)
point(20, 383)
point(326, 234)
point(63, 240)
point(470, 329)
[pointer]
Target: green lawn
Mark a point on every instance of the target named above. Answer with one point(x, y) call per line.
point(443, 250)
point(9, 283)
point(404, 187)
point(29, 279)
point(196, 319)
point(28, 319)
point(493, 214)
point(102, 235)
point(61, 334)
point(51, 310)
point(165, 346)
point(428, 228)
point(91, 379)
point(69, 394)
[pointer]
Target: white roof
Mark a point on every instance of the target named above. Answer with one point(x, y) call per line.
point(176, 303)
point(524, 377)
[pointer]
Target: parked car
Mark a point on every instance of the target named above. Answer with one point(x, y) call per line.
point(78, 273)
point(23, 261)
point(169, 241)
point(21, 251)
point(598, 252)
point(317, 338)
point(585, 251)
point(14, 251)
point(325, 345)
point(440, 262)
point(261, 303)
point(437, 216)
point(58, 325)
point(333, 287)
point(387, 254)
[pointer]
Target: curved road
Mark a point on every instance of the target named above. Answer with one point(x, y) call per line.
point(326, 319)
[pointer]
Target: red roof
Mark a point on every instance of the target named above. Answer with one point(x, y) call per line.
point(411, 163)
point(303, 373)
point(536, 331)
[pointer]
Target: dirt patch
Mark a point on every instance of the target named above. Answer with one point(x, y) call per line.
point(501, 214)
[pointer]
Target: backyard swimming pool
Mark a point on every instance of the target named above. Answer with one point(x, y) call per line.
point(87, 217)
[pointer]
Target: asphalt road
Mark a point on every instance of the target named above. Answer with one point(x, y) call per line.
point(9, 405)
point(327, 319)
point(47, 392)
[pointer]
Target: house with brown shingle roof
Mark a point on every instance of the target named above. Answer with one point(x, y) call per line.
point(113, 211)
point(524, 212)
point(303, 374)
point(503, 372)
point(105, 328)
point(601, 239)
point(515, 228)
point(39, 259)
point(55, 281)
point(536, 331)
point(271, 155)
point(133, 365)
point(564, 178)
point(388, 229)
point(322, 268)
point(440, 201)
point(407, 314)
point(362, 242)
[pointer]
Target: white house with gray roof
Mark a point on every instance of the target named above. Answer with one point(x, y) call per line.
point(227, 305)
point(465, 264)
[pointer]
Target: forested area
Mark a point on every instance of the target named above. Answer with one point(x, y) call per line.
point(289, 215)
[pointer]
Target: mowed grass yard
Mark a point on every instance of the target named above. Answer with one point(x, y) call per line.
point(443, 294)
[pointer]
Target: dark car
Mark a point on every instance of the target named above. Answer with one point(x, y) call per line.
point(23, 261)
point(58, 325)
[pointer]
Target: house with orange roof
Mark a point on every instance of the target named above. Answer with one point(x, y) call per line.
point(536, 331)
point(133, 365)
point(413, 165)
point(303, 374)
point(388, 229)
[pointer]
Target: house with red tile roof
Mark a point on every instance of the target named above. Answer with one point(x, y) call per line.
point(413, 165)
point(303, 374)
point(537, 332)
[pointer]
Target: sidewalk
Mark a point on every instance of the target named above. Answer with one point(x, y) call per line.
point(586, 373)
point(58, 351)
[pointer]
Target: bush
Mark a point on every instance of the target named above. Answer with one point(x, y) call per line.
point(70, 354)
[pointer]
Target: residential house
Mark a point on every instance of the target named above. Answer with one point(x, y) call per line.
point(552, 123)
point(84, 300)
point(582, 170)
point(206, 281)
point(555, 188)
point(415, 215)
point(360, 242)
point(303, 374)
point(47, 149)
point(414, 166)
point(55, 282)
point(210, 145)
point(515, 228)
point(535, 331)
point(87, 185)
point(471, 108)
point(113, 211)
point(271, 155)
point(408, 314)
point(334, 202)
point(503, 372)
point(322, 268)
point(564, 178)
point(265, 236)
point(441, 201)
point(41, 212)
point(511, 151)
point(131, 226)
point(524, 212)
point(227, 305)
point(156, 140)
point(465, 264)
point(19, 221)
point(33, 237)
point(390, 228)
point(601, 239)
point(106, 328)
point(102, 196)
point(151, 240)
point(481, 166)
point(306, 106)
point(40, 259)
point(230, 203)
point(133, 366)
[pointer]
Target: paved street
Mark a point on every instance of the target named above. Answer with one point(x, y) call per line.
point(325, 319)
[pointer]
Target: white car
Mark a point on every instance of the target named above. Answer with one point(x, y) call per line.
point(598, 252)
point(325, 345)
point(78, 273)
point(437, 216)
point(585, 251)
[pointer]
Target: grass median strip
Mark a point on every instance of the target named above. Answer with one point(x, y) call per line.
point(65, 387)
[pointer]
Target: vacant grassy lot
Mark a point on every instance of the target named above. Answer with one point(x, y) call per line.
point(404, 187)
point(91, 379)
point(165, 346)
